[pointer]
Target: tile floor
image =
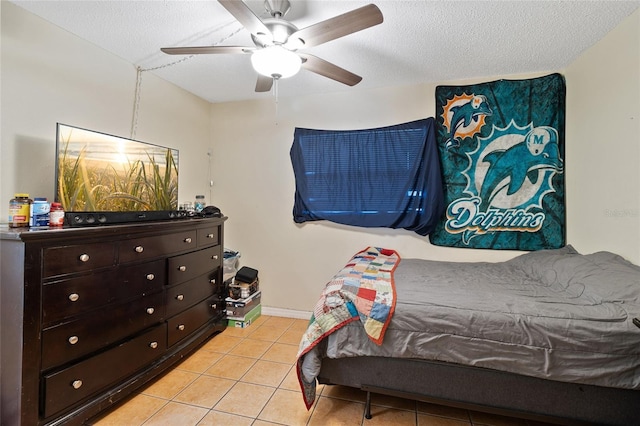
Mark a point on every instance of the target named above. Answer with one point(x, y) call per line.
point(247, 377)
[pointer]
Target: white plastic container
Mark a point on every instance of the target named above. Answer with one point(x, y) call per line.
point(39, 212)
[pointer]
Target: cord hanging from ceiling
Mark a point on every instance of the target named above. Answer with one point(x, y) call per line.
point(140, 70)
point(209, 175)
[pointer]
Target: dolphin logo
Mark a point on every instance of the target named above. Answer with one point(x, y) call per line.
point(463, 115)
point(510, 167)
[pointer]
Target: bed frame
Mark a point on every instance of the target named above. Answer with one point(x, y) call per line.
point(485, 390)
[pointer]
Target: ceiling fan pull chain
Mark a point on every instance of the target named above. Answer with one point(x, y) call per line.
point(275, 89)
point(275, 93)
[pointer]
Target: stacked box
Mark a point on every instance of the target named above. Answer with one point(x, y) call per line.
point(243, 322)
point(243, 303)
point(238, 308)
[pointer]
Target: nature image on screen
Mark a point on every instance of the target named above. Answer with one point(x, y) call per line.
point(100, 172)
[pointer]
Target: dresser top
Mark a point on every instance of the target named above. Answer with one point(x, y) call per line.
point(42, 234)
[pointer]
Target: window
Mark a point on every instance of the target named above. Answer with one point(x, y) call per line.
point(384, 177)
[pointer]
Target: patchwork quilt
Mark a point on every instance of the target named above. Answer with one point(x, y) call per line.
point(501, 145)
point(363, 290)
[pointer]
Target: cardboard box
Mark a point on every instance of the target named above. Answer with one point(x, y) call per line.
point(241, 307)
point(243, 322)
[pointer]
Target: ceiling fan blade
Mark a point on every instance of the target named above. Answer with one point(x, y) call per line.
point(264, 83)
point(339, 26)
point(329, 70)
point(199, 50)
point(245, 16)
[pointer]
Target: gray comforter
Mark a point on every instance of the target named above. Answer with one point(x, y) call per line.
point(553, 314)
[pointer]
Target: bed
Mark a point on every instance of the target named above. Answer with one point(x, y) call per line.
point(552, 335)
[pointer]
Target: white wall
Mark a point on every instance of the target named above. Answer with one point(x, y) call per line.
point(603, 144)
point(49, 75)
point(254, 182)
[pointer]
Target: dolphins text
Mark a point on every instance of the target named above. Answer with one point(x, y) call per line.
point(464, 215)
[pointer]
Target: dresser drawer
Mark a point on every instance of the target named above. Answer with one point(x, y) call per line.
point(182, 296)
point(209, 236)
point(160, 245)
point(66, 387)
point(66, 298)
point(185, 323)
point(77, 258)
point(97, 329)
point(190, 265)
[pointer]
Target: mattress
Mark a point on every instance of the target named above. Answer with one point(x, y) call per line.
point(552, 314)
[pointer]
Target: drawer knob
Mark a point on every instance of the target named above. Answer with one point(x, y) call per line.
point(214, 257)
point(209, 235)
point(182, 268)
point(150, 277)
point(77, 384)
point(84, 257)
point(139, 249)
point(73, 340)
point(153, 345)
point(214, 306)
point(74, 297)
point(181, 327)
point(187, 240)
point(212, 281)
point(180, 297)
point(150, 311)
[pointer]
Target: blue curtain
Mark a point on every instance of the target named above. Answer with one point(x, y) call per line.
point(385, 177)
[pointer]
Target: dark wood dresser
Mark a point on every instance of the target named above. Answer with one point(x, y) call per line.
point(91, 314)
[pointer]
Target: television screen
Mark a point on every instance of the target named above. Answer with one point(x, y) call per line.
point(97, 172)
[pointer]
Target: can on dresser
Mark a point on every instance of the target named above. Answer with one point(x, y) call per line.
point(56, 215)
point(19, 209)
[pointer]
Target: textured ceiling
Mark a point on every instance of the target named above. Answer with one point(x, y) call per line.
point(418, 42)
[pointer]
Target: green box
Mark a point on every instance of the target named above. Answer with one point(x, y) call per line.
point(243, 322)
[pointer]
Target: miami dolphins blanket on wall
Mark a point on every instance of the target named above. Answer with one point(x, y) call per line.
point(501, 146)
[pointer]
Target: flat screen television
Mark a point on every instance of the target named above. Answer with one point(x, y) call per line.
point(97, 172)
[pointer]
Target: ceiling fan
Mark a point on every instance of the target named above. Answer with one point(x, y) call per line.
point(275, 54)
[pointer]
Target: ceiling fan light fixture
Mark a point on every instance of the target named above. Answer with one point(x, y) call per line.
point(276, 62)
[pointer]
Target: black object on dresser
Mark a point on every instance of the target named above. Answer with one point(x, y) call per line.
point(90, 315)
